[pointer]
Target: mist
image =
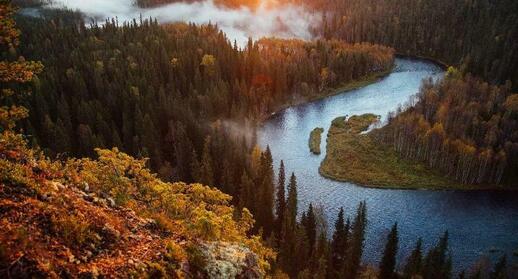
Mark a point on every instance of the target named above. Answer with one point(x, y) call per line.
point(285, 21)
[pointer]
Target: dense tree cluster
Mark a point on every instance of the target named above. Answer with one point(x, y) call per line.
point(463, 127)
point(308, 67)
point(479, 36)
point(179, 94)
point(57, 211)
point(306, 251)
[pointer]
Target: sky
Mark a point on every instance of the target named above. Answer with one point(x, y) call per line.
point(284, 21)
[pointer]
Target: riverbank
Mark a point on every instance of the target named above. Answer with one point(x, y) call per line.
point(344, 88)
point(356, 157)
point(443, 65)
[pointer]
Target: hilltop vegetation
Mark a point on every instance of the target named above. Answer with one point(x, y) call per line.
point(109, 217)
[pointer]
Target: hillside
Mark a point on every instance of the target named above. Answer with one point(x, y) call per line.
point(111, 217)
point(108, 217)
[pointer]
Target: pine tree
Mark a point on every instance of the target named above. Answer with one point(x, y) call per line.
point(414, 262)
point(355, 249)
point(437, 263)
point(265, 216)
point(311, 227)
point(388, 262)
point(339, 245)
point(291, 201)
point(280, 203)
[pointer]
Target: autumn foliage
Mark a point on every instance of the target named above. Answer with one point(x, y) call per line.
point(109, 216)
point(462, 126)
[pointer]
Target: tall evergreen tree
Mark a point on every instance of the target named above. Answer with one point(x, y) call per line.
point(266, 195)
point(355, 249)
point(388, 262)
point(311, 227)
point(414, 262)
point(291, 201)
point(338, 245)
point(437, 263)
point(280, 202)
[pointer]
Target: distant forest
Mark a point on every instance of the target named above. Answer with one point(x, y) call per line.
point(463, 127)
point(477, 36)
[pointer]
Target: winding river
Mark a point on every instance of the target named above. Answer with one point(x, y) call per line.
point(481, 224)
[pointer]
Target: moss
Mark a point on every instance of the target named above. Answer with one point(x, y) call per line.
point(357, 157)
point(315, 139)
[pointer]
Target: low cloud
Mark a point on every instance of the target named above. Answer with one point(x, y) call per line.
point(284, 21)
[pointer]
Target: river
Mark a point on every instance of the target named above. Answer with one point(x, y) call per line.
point(480, 223)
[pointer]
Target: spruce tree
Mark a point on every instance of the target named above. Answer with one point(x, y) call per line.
point(280, 202)
point(437, 261)
point(355, 249)
point(266, 198)
point(414, 262)
point(311, 227)
point(388, 262)
point(338, 245)
point(291, 201)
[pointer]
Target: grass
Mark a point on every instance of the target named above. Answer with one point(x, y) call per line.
point(356, 157)
point(315, 137)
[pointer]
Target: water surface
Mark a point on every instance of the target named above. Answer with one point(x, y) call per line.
point(481, 223)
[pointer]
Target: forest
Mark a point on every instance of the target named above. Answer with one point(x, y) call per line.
point(189, 99)
point(476, 36)
point(461, 126)
point(177, 94)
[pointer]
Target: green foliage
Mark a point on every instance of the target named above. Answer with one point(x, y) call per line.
point(477, 36)
point(413, 265)
point(388, 261)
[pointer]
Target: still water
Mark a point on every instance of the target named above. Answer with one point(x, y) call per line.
point(480, 224)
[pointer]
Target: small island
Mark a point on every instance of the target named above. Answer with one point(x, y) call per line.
point(315, 139)
point(357, 157)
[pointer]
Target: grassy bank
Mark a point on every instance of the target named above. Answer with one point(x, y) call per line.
point(315, 137)
point(355, 157)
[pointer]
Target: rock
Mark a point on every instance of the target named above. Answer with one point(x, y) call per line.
point(88, 197)
point(111, 202)
point(230, 260)
point(86, 187)
point(71, 259)
point(130, 261)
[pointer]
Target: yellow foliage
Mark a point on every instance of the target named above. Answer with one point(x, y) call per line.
point(195, 211)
